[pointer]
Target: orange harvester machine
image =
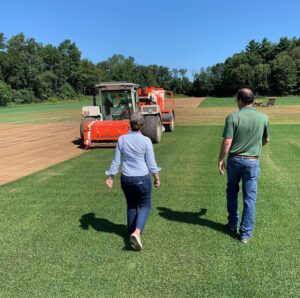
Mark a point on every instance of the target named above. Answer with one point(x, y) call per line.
point(160, 97)
point(107, 129)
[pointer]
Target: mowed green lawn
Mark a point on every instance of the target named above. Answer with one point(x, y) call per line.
point(42, 112)
point(213, 102)
point(62, 231)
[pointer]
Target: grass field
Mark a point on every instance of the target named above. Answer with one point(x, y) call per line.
point(212, 102)
point(62, 231)
point(42, 112)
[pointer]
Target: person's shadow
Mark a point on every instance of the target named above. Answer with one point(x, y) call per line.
point(104, 225)
point(194, 218)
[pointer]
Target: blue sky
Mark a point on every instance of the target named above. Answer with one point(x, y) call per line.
point(175, 33)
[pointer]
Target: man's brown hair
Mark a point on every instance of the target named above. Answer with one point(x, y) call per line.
point(245, 95)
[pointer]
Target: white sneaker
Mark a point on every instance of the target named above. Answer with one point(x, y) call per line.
point(245, 240)
point(136, 242)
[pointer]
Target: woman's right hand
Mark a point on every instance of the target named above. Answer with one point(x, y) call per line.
point(156, 182)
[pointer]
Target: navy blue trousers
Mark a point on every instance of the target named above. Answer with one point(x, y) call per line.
point(137, 191)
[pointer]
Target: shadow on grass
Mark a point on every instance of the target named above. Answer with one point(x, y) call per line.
point(194, 218)
point(104, 225)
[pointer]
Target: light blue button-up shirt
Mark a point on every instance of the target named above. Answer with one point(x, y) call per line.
point(137, 153)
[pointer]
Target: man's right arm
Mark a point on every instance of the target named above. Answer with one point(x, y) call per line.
point(265, 141)
point(265, 138)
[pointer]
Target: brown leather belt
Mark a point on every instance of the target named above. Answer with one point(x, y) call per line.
point(244, 156)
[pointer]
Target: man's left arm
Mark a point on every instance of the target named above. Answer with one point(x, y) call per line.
point(225, 147)
point(226, 143)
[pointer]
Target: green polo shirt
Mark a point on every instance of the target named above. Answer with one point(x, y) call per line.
point(246, 127)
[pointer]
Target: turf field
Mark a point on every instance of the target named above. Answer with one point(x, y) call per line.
point(230, 101)
point(62, 231)
point(41, 113)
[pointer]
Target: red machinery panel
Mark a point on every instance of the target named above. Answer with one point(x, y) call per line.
point(105, 131)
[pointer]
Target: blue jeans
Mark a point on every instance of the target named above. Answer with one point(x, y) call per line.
point(248, 171)
point(137, 191)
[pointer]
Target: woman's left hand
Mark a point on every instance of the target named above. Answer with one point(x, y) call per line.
point(109, 182)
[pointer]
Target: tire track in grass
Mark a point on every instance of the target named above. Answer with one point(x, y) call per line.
point(280, 160)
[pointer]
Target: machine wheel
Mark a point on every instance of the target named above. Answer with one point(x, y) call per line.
point(169, 118)
point(83, 123)
point(152, 128)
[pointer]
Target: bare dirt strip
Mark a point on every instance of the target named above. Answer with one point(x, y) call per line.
point(192, 102)
point(187, 113)
point(26, 149)
point(30, 147)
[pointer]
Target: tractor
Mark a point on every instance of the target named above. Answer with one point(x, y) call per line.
point(107, 121)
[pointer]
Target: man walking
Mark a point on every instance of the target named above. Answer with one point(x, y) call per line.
point(245, 132)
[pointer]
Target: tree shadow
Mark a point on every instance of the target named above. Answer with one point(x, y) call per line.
point(194, 218)
point(104, 225)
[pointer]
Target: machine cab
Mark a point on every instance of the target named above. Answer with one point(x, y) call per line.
point(118, 100)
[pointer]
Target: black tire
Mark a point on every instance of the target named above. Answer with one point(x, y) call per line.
point(84, 121)
point(169, 118)
point(152, 128)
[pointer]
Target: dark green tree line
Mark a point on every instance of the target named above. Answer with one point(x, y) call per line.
point(267, 68)
point(32, 72)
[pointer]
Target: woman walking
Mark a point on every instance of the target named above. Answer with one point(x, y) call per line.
point(139, 163)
